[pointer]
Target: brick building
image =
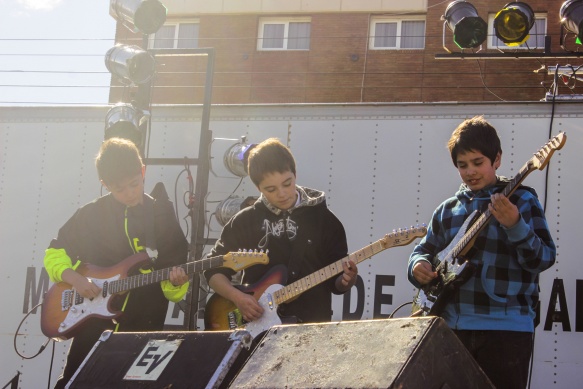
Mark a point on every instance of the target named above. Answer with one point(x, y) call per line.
point(330, 51)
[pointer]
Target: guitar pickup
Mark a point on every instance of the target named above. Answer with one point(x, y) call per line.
point(235, 319)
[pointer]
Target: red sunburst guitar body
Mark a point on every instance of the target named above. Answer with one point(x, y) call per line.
point(64, 311)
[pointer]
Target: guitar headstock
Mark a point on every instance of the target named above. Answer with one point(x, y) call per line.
point(542, 157)
point(239, 260)
point(404, 236)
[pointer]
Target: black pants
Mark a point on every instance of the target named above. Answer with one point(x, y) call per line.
point(80, 347)
point(503, 355)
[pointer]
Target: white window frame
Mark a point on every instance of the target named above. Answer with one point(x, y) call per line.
point(285, 22)
point(380, 19)
point(176, 25)
point(492, 35)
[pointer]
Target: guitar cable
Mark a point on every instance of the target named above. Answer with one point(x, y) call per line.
point(42, 348)
point(399, 307)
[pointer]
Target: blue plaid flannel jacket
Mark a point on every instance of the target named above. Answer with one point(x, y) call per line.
point(503, 292)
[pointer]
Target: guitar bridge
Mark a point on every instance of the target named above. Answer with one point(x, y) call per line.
point(67, 299)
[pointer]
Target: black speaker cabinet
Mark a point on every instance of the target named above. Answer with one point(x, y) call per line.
point(159, 360)
point(392, 353)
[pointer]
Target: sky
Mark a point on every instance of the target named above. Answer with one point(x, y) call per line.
point(52, 52)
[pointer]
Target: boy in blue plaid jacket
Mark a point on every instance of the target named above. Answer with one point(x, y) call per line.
point(493, 312)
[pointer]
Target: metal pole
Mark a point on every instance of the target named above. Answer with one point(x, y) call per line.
point(201, 189)
point(197, 239)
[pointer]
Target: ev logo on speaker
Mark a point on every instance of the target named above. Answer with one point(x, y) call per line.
point(152, 360)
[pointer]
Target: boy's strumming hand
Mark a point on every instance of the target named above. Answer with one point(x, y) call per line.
point(86, 288)
point(423, 272)
point(248, 306)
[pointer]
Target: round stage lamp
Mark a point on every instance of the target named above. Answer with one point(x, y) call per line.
point(123, 121)
point(130, 63)
point(228, 208)
point(469, 30)
point(235, 158)
point(571, 15)
point(512, 23)
point(146, 16)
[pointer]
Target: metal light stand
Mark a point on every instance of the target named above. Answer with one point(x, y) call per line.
point(197, 241)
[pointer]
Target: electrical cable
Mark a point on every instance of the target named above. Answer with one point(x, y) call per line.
point(484, 82)
point(399, 307)
point(42, 348)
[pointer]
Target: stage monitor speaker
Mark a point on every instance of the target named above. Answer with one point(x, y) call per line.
point(390, 353)
point(145, 360)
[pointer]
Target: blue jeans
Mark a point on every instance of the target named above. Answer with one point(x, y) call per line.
point(504, 356)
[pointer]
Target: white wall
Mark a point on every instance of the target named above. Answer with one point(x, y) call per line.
point(383, 167)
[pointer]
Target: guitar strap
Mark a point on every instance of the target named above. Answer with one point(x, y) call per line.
point(150, 230)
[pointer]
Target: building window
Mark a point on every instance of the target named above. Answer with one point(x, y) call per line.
point(397, 34)
point(284, 34)
point(536, 40)
point(182, 35)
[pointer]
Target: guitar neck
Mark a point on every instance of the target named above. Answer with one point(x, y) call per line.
point(298, 287)
point(467, 240)
point(157, 276)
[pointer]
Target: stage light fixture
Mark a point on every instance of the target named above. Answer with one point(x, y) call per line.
point(513, 22)
point(235, 158)
point(571, 14)
point(131, 64)
point(145, 16)
point(124, 120)
point(228, 208)
point(469, 30)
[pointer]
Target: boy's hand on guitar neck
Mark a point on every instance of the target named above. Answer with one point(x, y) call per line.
point(424, 272)
point(503, 210)
point(348, 278)
point(178, 276)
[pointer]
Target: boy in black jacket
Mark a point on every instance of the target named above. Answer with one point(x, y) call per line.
point(107, 231)
point(297, 229)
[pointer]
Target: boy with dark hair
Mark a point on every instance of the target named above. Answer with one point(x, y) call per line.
point(493, 312)
point(110, 229)
point(294, 224)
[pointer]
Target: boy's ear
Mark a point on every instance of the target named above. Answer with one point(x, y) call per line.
point(498, 160)
point(104, 185)
point(143, 171)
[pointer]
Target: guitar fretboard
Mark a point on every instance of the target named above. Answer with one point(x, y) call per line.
point(397, 238)
point(156, 276)
point(538, 161)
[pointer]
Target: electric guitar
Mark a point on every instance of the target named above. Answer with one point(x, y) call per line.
point(222, 314)
point(64, 311)
point(454, 268)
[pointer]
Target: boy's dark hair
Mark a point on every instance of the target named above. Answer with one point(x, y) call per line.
point(267, 157)
point(117, 160)
point(474, 134)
